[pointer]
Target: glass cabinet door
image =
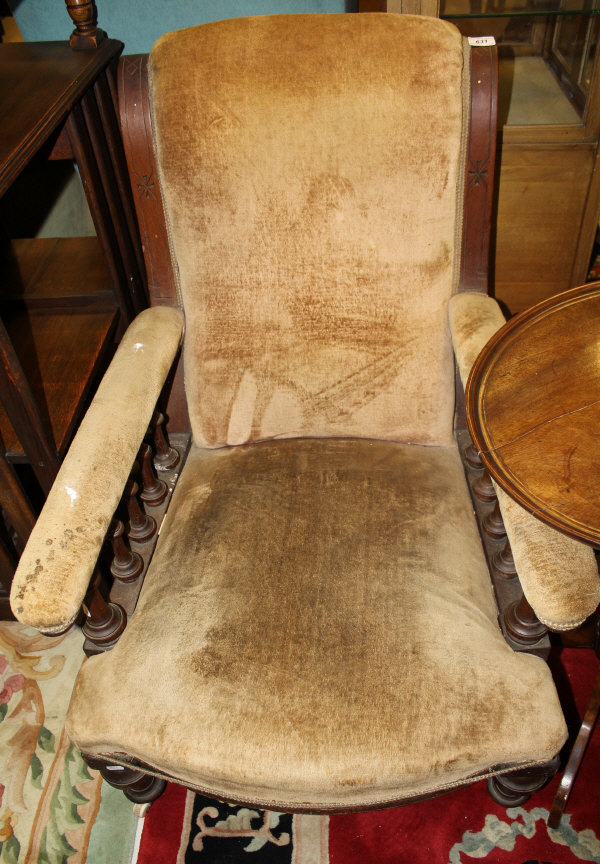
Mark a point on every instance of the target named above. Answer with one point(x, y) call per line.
point(546, 48)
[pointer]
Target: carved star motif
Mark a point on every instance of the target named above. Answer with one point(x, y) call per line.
point(146, 185)
point(478, 173)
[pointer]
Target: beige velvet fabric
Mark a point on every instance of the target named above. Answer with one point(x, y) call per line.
point(317, 628)
point(57, 563)
point(559, 575)
point(474, 318)
point(310, 167)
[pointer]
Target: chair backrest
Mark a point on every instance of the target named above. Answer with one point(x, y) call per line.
point(312, 170)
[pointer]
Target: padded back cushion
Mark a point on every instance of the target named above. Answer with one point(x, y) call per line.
point(310, 167)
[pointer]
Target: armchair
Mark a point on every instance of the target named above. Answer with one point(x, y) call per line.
point(317, 628)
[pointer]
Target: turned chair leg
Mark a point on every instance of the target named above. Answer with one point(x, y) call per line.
point(139, 787)
point(516, 787)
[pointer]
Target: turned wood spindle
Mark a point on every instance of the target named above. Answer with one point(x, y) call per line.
point(165, 456)
point(86, 36)
point(141, 526)
point(483, 488)
point(493, 524)
point(504, 563)
point(126, 565)
point(104, 622)
point(472, 458)
point(154, 491)
point(521, 623)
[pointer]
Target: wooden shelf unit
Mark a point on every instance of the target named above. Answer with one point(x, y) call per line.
point(64, 302)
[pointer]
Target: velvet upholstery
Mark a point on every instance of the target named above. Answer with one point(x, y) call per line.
point(315, 613)
point(310, 176)
point(559, 575)
point(317, 627)
point(57, 563)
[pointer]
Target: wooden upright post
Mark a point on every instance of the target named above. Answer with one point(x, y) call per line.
point(86, 36)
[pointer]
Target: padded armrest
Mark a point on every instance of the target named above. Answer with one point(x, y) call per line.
point(559, 575)
point(56, 566)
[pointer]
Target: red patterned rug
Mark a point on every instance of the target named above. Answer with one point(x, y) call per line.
point(457, 828)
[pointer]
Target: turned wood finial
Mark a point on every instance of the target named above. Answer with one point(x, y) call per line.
point(86, 35)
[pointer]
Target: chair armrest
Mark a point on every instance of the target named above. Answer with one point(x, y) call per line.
point(56, 566)
point(558, 575)
point(474, 318)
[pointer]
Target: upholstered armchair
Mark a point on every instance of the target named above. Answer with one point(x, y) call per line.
point(317, 629)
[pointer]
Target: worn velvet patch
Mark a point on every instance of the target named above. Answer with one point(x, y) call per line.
point(309, 167)
point(314, 611)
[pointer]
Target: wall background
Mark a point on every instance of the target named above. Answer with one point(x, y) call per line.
point(139, 23)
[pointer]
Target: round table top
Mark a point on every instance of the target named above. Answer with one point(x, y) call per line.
point(533, 409)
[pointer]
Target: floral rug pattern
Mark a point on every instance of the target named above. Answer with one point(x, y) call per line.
point(54, 810)
point(51, 804)
point(461, 827)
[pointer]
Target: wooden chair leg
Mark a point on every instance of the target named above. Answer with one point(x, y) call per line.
point(576, 755)
point(516, 787)
point(139, 787)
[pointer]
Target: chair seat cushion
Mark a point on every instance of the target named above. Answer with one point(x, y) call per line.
point(317, 630)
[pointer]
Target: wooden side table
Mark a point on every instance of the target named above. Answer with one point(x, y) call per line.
point(63, 302)
point(533, 404)
point(533, 408)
